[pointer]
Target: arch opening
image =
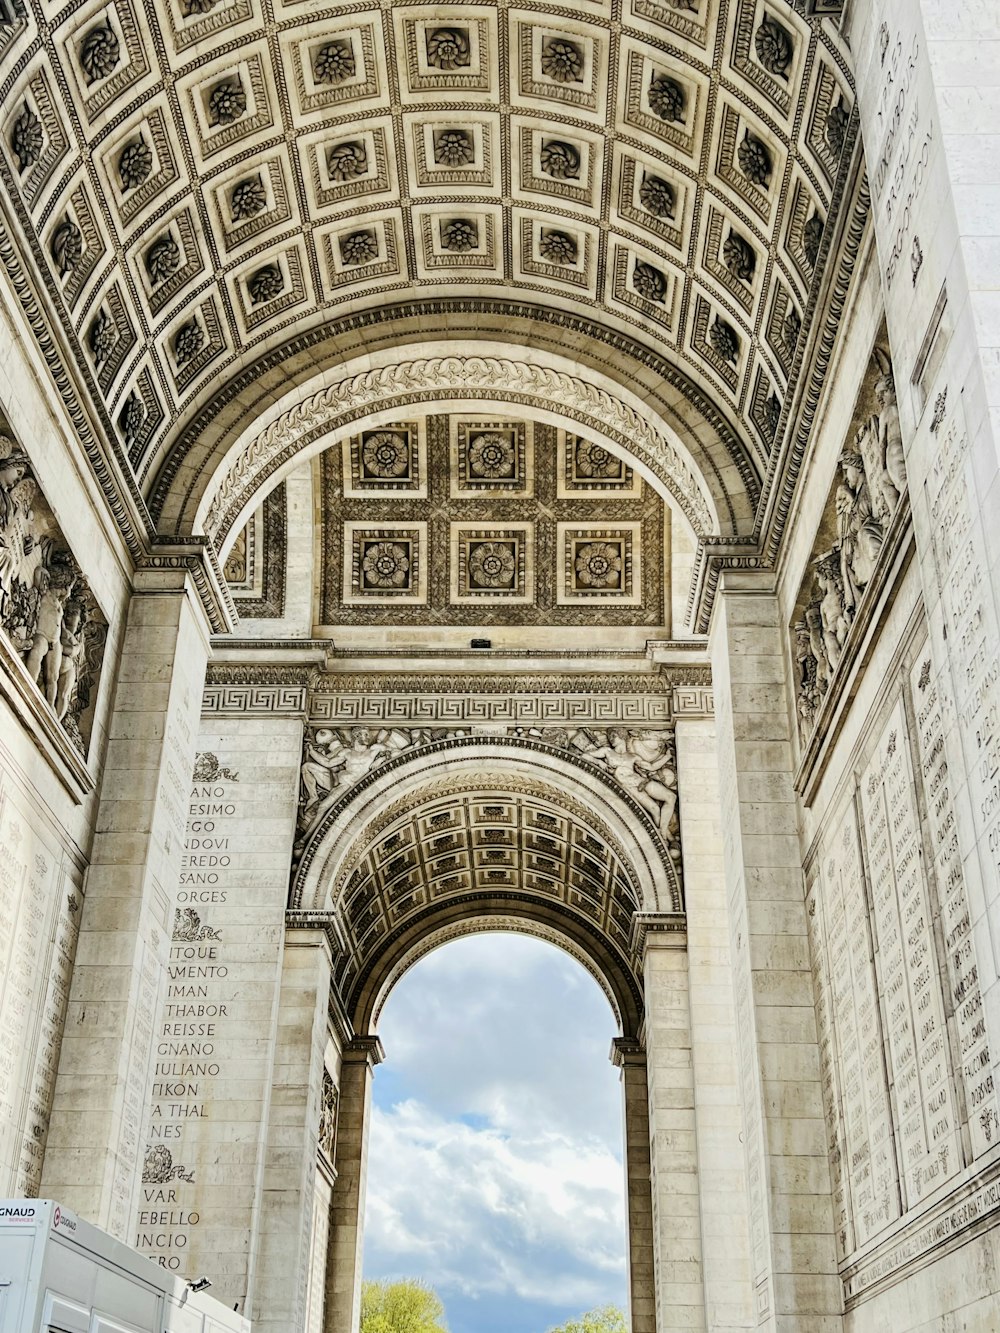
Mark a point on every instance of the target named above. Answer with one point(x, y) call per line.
point(496, 1153)
point(478, 827)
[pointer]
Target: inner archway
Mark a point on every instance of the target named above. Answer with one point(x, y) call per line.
point(495, 1159)
point(481, 833)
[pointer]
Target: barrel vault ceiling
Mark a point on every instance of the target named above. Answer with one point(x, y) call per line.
point(196, 183)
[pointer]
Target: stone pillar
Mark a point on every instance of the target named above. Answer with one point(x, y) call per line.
point(629, 1056)
point(216, 1024)
point(680, 1297)
point(725, 1235)
point(286, 1238)
point(93, 1158)
point(793, 1252)
point(342, 1311)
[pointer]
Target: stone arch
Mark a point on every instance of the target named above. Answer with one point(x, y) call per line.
point(393, 971)
point(464, 757)
point(486, 795)
point(599, 833)
point(224, 477)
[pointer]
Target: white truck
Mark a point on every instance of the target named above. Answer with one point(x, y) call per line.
point(59, 1274)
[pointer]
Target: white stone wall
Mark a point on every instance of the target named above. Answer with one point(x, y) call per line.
point(46, 817)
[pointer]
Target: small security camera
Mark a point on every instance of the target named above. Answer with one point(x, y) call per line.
point(199, 1283)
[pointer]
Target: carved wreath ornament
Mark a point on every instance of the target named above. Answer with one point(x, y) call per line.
point(431, 378)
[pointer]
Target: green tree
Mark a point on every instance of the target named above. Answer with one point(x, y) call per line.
point(401, 1307)
point(605, 1319)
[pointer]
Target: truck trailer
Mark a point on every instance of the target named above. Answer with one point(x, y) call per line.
point(59, 1274)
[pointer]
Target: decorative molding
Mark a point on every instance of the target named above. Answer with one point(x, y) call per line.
point(692, 701)
point(536, 708)
point(326, 922)
point(714, 554)
point(434, 378)
point(364, 1048)
point(664, 930)
point(125, 503)
point(265, 690)
point(197, 556)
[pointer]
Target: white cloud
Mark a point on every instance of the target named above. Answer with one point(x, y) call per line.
point(473, 1209)
point(495, 1153)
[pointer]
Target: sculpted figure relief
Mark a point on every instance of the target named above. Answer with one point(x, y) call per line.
point(47, 612)
point(872, 480)
point(807, 673)
point(889, 435)
point(859, 530)
point(643, 763)
point(43, 659)
point(832, 607)
point(334, 759)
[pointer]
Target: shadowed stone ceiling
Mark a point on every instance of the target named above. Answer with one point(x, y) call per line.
point(200, 183)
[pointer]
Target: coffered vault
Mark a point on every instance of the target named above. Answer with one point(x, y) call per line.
point(471, 827)
point(220, 199)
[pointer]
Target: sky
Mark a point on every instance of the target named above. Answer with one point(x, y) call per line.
point(495, 1158)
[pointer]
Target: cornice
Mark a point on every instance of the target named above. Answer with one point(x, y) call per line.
point(195, 556)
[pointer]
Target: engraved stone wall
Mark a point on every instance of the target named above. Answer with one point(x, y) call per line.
point(206, 1098)
point(908, 1082)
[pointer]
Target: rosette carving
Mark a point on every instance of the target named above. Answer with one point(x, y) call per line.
point(347, 161)
point(560, 160)
point(360, 247)
point(334, 63)
point(188, 341)
point(26, 139)
point(100, 52)
point(649, 282)
point(558, 247)
point(264, 284)
point(66, 246)
point(562, 60)
point(448, 49)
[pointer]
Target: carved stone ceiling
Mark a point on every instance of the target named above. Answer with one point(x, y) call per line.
point(199, 182)
point(490, 844)
point(470, 520)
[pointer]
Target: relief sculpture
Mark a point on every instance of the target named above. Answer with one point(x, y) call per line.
point(47, 611)
point(334, 759)
point(871, 481)
point(641, 762)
